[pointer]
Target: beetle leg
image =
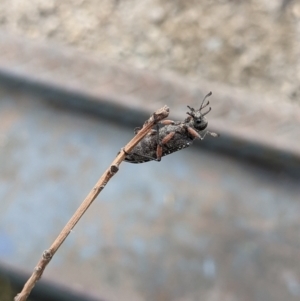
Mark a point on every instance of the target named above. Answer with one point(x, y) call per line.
point(213, 134)
point(167, 122)
point(168, 138)
point(160, 145)
point(195, 134)
point(136, 130)
point(152, 132)
point(209, 133)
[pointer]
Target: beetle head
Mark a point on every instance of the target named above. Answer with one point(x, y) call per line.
point(198, 119)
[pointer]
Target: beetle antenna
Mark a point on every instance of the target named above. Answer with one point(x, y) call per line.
point(191, 114)
point(205, 105)
point(201, 107)
point(206, 112)
point(192, 109)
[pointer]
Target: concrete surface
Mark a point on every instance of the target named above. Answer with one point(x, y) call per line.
point(197, 226)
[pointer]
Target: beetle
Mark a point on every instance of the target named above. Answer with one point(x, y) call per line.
point(170, 136)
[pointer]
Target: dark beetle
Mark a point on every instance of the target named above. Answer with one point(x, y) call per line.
point(169, 136)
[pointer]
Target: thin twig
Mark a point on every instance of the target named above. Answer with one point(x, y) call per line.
point(108, 174)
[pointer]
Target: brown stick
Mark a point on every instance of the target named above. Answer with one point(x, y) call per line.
point(108, 174)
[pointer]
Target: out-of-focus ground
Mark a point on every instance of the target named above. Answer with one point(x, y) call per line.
point(196, 226)
point(250, 44)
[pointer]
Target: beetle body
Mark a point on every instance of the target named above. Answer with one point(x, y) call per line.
point(169, 136)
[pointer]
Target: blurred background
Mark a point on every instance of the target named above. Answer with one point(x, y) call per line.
point(252, 44)
point(217, 221)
